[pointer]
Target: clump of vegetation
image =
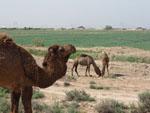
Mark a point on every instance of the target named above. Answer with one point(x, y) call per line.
point(37, 52)
point(73, 108)
point(94, 86)
point(70, 78)
point(111, 106)
point(66, 84)
point(57, 108)
point(131, 59)
point(38, 42)
point(3, 92)
point(4, 105)
point(143, 105)
point(92, 82)
point(75, 95)
point(37, 95)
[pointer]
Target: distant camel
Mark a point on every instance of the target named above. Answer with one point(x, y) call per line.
point(105, 63)
point(85, 60)
point(19, 70)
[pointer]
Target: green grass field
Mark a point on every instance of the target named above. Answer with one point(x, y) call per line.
point(86, 38)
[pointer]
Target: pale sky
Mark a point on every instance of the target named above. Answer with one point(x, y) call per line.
point(73, 13)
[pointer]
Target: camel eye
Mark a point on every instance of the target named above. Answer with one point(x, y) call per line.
point(61, 49)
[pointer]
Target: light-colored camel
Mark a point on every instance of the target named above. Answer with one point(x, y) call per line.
point(19, 71)
point(85, 60)
point(105, 63)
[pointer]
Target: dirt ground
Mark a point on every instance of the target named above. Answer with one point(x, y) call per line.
point(129, 79)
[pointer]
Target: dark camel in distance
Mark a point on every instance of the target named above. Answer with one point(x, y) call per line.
point(105, 63)
point(19, 70)
point(85, 60)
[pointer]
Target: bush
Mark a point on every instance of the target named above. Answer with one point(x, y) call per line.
point(73, 108)
point(92, 82)
point(56, 108)
point(71, 78)
point(78, 96)
point(131, 59)
point(3, 92)
point(37, 95)
point(40, 108)
point(144, 105)
point(4, 106)
point(111, 106)
point(93, 86)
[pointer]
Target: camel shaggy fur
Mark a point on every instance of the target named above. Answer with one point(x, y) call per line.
point(105, 63)
point(85, 60)
point(19, 71)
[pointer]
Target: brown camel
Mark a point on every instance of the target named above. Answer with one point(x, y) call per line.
point(85, 60)
point(105, 63)
point(19, 71)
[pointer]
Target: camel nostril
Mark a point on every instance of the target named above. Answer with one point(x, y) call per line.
point(44, 64)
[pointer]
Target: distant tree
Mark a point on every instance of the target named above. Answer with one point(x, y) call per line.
point(108, 27)
point(81, 27)
point(140, 28)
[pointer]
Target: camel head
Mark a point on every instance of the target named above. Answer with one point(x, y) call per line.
point(98, 71)
point(69, 49)
point(56, 59)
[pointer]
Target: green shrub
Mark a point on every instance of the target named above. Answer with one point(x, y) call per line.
point(73, 108)
point(70, 78)
point(78, 96)
point(3, 92)
point(40, 107)
point(131, 59)
point(4, 106)
point(37, 95)
point(57, 108)
point(94, 86)
point(144, 105)
point(110, 106)
point(92, 82)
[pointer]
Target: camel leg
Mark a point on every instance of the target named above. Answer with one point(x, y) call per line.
point(72, 70)
point(107, 69)
point(76, 66)
point(15, 96)
point(89, 71)
point(26, 99)
point(86, 71)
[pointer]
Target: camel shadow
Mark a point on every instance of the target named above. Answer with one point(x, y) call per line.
point(117, 75)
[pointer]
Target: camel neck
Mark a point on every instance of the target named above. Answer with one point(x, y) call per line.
point(46, 78)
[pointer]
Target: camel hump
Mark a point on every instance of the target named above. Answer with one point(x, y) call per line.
point(4, 38)
point(83, 55)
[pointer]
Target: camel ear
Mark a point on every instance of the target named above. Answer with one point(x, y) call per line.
point(61, 49)
point(53, 49)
